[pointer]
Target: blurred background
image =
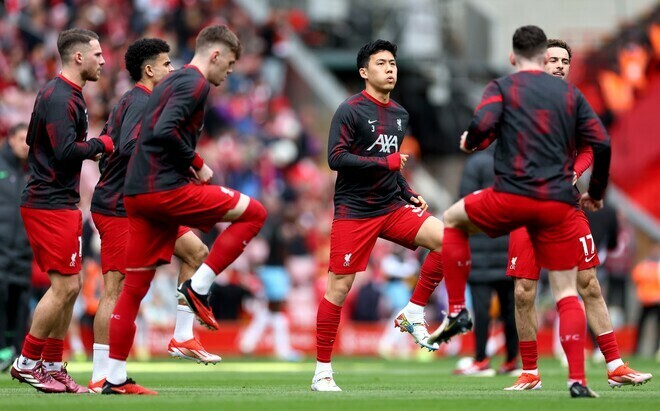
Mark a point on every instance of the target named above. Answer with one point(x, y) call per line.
point(266, 133)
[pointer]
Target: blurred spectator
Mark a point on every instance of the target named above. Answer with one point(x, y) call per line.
point(399, 269)
point(646, 276)
point(15, 252)
point(618, 265)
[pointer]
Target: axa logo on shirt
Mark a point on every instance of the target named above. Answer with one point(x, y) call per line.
point(388, 144)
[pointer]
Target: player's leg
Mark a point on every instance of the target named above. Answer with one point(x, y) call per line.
point(55, 240)
point(456, 267)
point(351, 242)
point(428, 235)
point(192, 252)
point(505, 294)
point(525, 271)
point(327, 323)
point(114, 238)
point(52, 355)
point(113, 282)
point(618, 373)
point(150, 242)
point(482, 294)
point(246, 215)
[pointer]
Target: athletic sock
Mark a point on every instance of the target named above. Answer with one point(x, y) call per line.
point(429, 278)
point(529, 354)
point(572, 333)
point(185, 319)
point(456, 266)
point(100, 361)
point(122, 322)
point(327, 322)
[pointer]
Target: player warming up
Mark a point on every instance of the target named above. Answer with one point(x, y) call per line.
point(525, 270)
point(53, 222)
point(536, 118)
point(160, 196)
point(147, 62)
point(372, 199)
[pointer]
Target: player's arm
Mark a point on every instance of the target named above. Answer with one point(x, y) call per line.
point(484, 126)
point(340, 143)
point(408, 194)
point(61, 118)
point(583, 159)
point(179, 107)
point(592, 131)
point(130, 127)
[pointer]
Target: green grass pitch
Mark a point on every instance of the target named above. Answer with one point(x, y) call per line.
point(368, 384)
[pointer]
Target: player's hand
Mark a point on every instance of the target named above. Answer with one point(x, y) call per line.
point(396, 161)
point(404, 159)
point(589, 204)
point(419, 202)
point(204, 174)
point(463, 143)
point(575, 178)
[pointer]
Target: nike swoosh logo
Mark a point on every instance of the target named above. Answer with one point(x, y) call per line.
point(119, 390)
point(590, 258)
point(371, 121)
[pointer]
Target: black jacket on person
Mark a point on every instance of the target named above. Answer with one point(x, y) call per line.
point(489, 255)
point(15, 251)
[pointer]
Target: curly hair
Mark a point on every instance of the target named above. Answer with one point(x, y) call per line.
point(141, 53)
point(561, 44)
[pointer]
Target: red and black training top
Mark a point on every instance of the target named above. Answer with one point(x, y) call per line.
point(171, 126)
point(56, 136)
point(123, 126)
point(536, 118)
point(363, 133)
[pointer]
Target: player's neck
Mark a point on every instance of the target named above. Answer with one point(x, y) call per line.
point(146, 84)
point(73, 76)
point(528, 65)
point(381, 96)
point(202, 66)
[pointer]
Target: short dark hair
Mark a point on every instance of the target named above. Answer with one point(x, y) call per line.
point(561, 44)
point(18, 126)
point(219, 34)
point(68, 39)
point(371, 48)
point(529, 41)
point(141, 53)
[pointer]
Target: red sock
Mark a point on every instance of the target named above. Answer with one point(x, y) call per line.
point(33, 347)
point(529, 354)
point(232, 241)
point(429, 278)
point(53, 350)
point(327, 322)
point(456, 264)
point(122, 321)
point(608, 346)
point(572, 334)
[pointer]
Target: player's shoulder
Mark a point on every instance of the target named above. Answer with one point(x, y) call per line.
point(397, 107)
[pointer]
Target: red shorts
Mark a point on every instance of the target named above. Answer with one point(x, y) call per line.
point(550, 224)
point(55, 237)
point(154, 219)
point(522, 261)
point(114, 238)
point(352, 240)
